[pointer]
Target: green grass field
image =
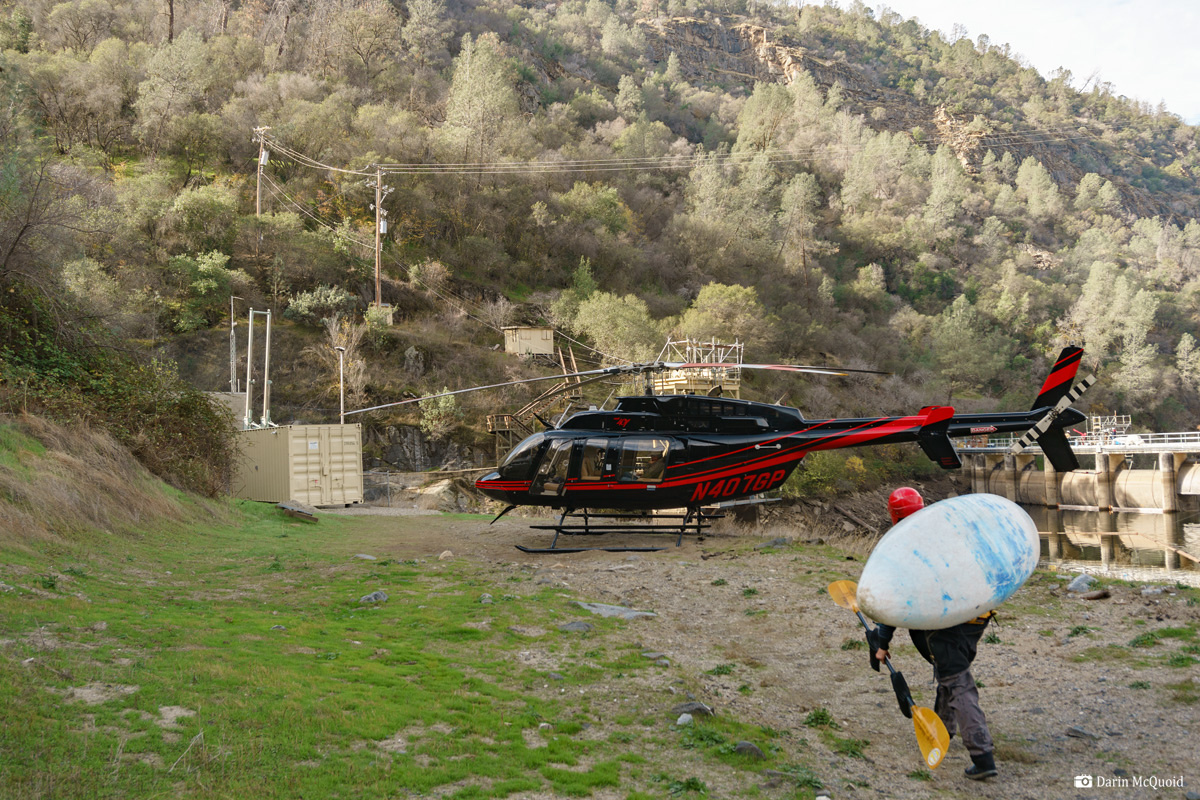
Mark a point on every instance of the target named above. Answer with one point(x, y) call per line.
point(235, 660)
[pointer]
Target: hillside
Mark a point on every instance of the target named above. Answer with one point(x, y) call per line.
point(824, 185)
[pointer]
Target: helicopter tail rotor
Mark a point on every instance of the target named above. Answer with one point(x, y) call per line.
point(1050, 436)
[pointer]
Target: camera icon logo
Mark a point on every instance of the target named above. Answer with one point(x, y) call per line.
point(1083, 781)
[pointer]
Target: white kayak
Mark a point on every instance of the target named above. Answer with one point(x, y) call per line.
point(949, 563)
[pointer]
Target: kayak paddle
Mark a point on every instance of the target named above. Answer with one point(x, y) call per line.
point(932, 737)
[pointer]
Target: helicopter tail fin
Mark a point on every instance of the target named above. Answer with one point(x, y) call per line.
point(1057, 450)
point(1060, 379)
point(934, 437)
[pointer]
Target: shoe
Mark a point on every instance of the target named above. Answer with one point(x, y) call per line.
point(982, 768)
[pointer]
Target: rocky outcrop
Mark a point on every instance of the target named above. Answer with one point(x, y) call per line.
point(718, 51)
point(962, 139)
point(407, 449)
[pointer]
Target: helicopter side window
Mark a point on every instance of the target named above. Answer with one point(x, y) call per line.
point(552, 473)
point(591, 467)
point(644, 460)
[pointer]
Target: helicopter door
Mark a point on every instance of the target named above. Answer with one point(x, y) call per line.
point(644, 460)
point(591, 465)
point(552, 473)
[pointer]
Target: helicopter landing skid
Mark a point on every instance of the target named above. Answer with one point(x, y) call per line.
point(694, 521)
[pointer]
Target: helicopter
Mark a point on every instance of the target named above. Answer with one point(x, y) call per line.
point(693, 452)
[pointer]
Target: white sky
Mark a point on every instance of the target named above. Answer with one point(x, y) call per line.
point(1147, 49)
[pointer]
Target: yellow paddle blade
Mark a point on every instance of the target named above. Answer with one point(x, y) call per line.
point(932, 737)
point(845, 594)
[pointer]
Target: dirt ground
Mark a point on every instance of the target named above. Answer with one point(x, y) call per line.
point(1061, 701)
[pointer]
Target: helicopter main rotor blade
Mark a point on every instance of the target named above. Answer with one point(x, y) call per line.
point(593, 375)
point(600, 373)
point(836, 371)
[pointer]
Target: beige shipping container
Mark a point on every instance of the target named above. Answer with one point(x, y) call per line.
point(318, 465)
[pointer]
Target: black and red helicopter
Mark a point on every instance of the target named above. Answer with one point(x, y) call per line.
point(694, 452)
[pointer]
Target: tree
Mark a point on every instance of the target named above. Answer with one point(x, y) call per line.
point(205, 218)
point(594, 205)
point(1098, 195)
point(201, 285)
point(16, 31)
point(58, 96)
point(193, 138)
point(620, 327)
point(629, 98)
point(948, 188)
point(80, 25)
point(341, 331)
point(727, 313)
point(1187, 362)
point(36, 216)
point(172, 88)
point(1038, 189)
point(970, 353)
point(619, 40)
point(366, 36)
point(439, 415)
point(1135, 376)
point(764, 119)
point(426, 32)
point(482, 101)
point(583, 285)
point(799, 214)
point(1110, 309)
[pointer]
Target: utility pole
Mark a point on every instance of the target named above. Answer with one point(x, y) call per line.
point(260, 136)
point(246, 423)
point(378, 232)
point(341, 351)
point(263, 155)
point(266, 415)
point(381, 193)
point(233, 382)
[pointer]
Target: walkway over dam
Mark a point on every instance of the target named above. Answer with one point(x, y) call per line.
point(1131, 471)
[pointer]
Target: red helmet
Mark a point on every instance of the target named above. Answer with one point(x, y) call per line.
point(904, 501)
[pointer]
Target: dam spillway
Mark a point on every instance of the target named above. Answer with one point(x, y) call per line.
point(1133, 472)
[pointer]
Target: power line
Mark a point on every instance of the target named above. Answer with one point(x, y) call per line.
point(453, 300)
point(677, 161)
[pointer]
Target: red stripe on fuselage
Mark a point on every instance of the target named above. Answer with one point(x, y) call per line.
point(865, 432)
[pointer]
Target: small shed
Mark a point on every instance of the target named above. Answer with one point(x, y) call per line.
point(318, 465)
point(526, 341)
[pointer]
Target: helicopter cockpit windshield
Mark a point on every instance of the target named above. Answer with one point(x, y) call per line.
point(519, 462)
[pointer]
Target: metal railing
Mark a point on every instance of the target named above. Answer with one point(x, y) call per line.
point(1185, 441)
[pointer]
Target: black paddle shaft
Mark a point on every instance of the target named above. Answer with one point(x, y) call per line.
point(899, 684)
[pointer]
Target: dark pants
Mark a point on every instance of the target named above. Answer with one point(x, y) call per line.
point(951, 652)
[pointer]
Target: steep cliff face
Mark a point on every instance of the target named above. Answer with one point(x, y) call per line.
point(725, 51)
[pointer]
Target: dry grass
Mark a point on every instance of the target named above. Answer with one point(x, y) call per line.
point(83, 481)
point(1014, 753)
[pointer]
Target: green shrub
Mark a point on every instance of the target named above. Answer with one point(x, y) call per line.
point(820, 474)
point(820, 718)
point(73, 376)
point(309, 308)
